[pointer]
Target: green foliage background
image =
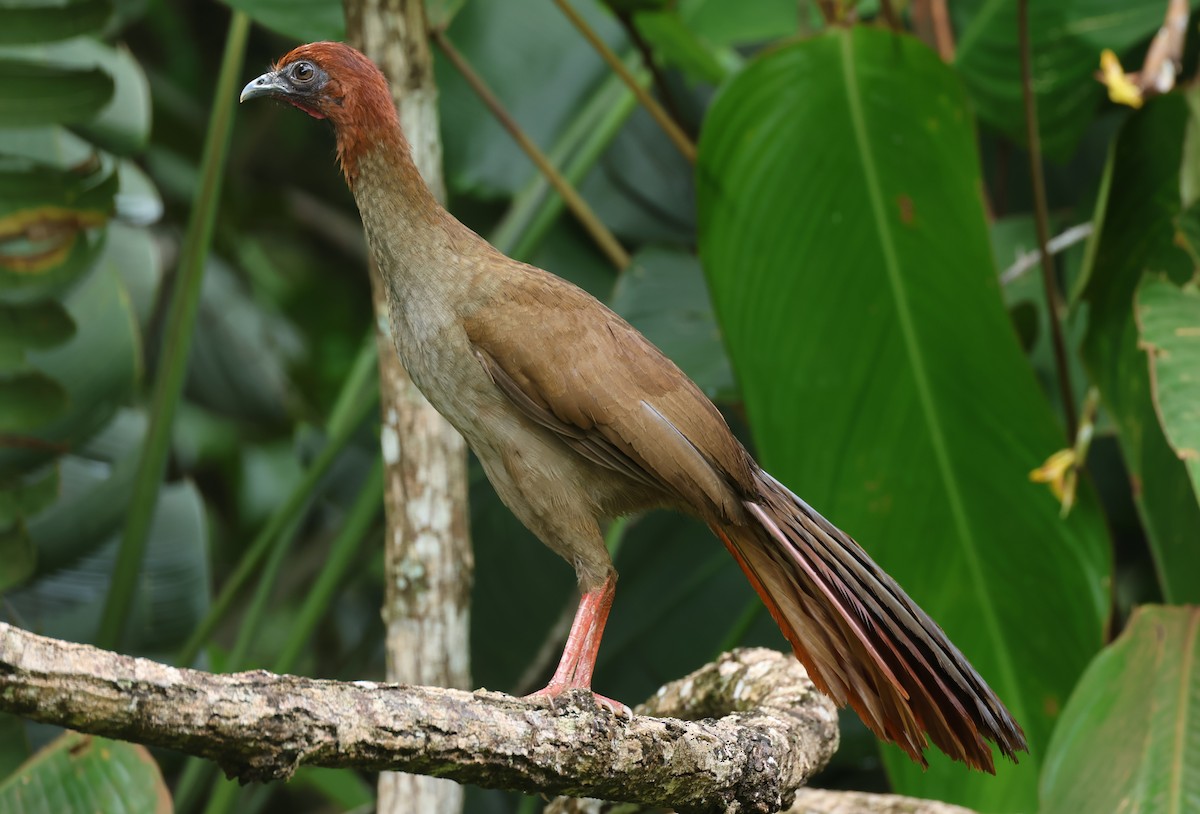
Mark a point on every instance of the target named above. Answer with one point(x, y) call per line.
point(829, 272)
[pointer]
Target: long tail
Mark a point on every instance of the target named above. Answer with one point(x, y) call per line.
point(862, 639)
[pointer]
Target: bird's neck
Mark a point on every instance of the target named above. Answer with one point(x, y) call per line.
point(424, 254)
point(377, 162)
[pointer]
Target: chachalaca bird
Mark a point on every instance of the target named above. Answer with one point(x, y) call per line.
point(577, 418)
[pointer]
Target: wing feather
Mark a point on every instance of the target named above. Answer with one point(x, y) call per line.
point(591, 379)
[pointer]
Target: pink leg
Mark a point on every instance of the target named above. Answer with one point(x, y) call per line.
point(583, 644)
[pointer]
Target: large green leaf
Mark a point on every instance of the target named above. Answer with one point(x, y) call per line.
point(52, 145)
point(28, 400)
point(304, 20)
point(98, 367)
point(28, 495)
point(96, 485)
point(84, 774)
point(1067, 38)
point(122, 121)
point(25, 22)
point(1169, 318)
point(1129, 739)
point(21, 498)
point(85, 190)
point(14, 743)
point(1135, 233)
point(123, 125)
point(138, 201)
point(33, 95)
point(642, 187)
point(172, 591)
point(678, 45)
point(38, 325)
point(845, 241)
point(134, 255)
point(17, 555)
point(49, 219)
point(742, 23)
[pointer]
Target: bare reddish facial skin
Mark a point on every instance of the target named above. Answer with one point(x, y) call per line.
point(316, 114)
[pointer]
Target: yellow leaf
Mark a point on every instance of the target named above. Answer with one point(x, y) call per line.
point(1120, 89)
point(1060, 472)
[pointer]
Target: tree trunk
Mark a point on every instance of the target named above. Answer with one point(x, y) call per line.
point(428, 559)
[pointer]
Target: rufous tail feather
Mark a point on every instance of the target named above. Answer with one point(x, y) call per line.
point(863, 641)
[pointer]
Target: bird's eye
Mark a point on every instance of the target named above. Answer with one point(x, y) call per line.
point(303, 72)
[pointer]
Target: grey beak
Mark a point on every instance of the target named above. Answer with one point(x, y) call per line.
point(269, 84)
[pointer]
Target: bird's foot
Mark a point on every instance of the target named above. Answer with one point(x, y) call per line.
point(553, 691)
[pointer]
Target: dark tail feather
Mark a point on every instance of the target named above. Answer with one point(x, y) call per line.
point(862, 639)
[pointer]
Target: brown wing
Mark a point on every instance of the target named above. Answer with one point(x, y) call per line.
point(579, 370)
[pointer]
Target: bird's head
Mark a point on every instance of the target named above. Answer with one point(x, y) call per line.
point(328, 80)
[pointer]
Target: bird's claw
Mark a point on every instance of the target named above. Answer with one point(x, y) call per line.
point(615, 707)
point(553, 692)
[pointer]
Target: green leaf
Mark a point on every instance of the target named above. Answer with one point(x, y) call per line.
point(664, 296)
point(84, 774)
point(304, 20)
point(1067, 38)
point(1135, 233)
point(133, 254)
point(122, 122)
point(32, 95)
point(25, 22)
point(851, 272)
point(85, 191)
point(1129, 739)
point(26, 496)
point(172, 589)
point(138, 201)
point(677, 44)
point(123, 125)
point(28, 401)
point(17, 556)
point(14, 744)
point(742, 23)
point(96, 485)
point(98, 368)
point(38, 325)
point(1188, 225)
point(643, 188)
point(48, 217)
point(1169, 321)
point(52, 145)
point(37, 269)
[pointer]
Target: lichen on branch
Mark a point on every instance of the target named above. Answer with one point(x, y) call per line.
point(764, 730)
